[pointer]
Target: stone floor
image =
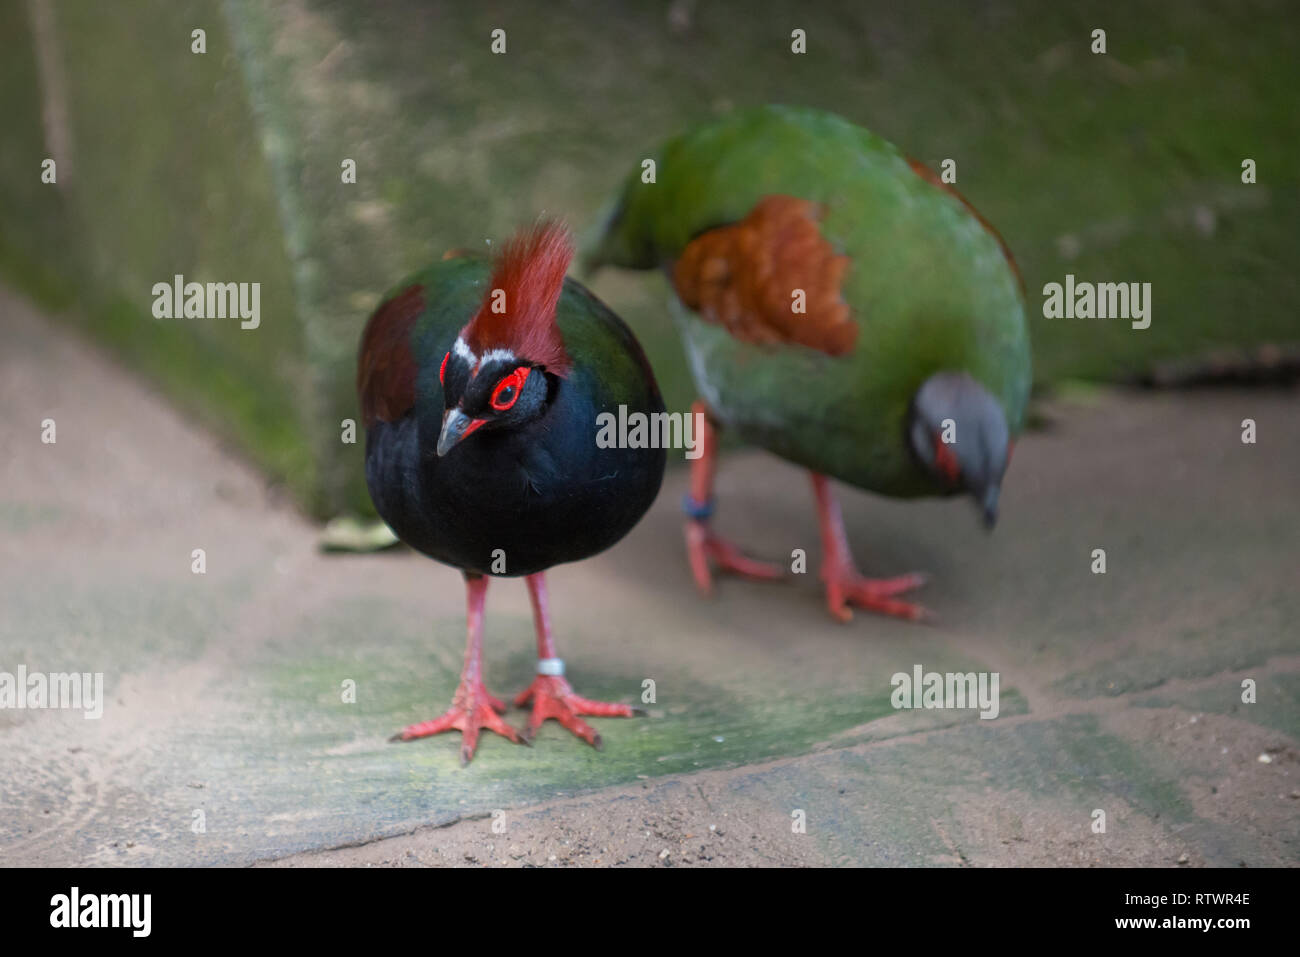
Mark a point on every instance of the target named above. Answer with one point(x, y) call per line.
point(1120, 692)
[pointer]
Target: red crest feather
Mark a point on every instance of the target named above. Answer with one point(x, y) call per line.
point(530, 272)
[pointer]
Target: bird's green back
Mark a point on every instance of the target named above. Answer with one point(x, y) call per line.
point(929, 287)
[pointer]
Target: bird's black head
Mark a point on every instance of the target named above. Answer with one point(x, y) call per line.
point(503, 366)
point(958, 432)
point(495, 391)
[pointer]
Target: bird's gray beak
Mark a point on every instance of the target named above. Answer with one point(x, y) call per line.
point(989, 505)
point(456, 425)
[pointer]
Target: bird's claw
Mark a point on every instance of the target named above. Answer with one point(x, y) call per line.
point(552, 697)
point(705, 550)
point(472, 709)
point(845, 587)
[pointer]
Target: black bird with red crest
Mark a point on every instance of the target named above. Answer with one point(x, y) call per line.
point(480, 385)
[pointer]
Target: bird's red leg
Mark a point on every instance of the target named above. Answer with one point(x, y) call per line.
point(844, 585)
point(473, 707)
point(550, 694)
point(702, 545)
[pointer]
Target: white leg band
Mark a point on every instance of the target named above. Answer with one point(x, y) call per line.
point(550, 666)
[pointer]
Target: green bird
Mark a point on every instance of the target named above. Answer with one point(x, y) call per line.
point(841, 307)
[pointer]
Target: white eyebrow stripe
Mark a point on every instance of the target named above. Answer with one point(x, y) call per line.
point(464, 352)
point(496, 354)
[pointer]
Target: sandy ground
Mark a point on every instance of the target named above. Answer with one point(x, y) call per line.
point(225, 739)
point(712, 819)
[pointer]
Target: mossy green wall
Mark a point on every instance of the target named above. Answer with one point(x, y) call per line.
point(164, 174)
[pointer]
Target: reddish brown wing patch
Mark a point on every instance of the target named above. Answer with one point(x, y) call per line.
point(385, 366)
point(930, 176)
point(744, 277)
point(531, 274)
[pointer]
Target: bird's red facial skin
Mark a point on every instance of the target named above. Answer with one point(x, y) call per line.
point(507, 392)
point(470, 429)
point(442, 370)
point(945, 461)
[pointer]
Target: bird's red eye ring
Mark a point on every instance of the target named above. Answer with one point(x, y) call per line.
point(508, 389)
point(442, 370)
point(946, 461)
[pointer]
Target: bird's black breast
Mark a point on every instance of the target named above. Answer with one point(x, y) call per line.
point(514, 502)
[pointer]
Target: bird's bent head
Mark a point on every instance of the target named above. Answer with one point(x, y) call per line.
point(498, 373)
point(958, 432)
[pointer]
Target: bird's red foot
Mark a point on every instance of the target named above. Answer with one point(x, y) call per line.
point(552, 697)
point(845, 587)
point(472, 709)
point(706, 550)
